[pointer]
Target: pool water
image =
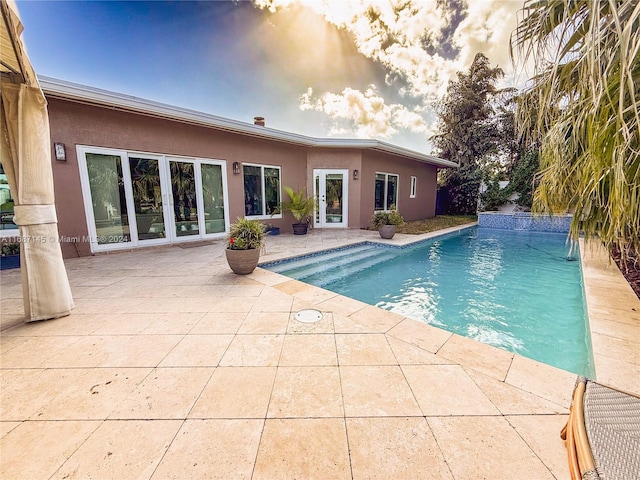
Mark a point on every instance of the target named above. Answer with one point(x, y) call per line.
point(517, 290)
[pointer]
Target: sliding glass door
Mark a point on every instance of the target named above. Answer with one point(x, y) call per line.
point(135, 199)
point(105, 181)
point(146, 183)
point(184, 198)
point(213, 205)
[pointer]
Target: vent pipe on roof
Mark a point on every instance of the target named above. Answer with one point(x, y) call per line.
point(259, 121)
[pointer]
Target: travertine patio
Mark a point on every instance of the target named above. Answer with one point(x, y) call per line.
point(173, 367)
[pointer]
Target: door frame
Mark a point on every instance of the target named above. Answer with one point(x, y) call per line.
point(320, 192)
point(167, 197)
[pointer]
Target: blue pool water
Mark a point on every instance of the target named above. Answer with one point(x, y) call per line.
point(519, 291)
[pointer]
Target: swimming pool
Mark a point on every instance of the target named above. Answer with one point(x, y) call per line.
point(517, 290)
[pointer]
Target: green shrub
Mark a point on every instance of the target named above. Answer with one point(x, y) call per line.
point(245, 235)
point(494, 196)
point(391, 217)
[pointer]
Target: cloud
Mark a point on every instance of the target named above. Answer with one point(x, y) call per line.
point(366, 111)
point(421, 43)
point(487, 29)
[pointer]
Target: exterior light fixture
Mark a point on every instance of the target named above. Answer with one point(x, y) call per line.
point(356, 174)
point(61, 153)
point(236, 168)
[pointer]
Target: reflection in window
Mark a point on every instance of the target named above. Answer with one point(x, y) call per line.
point(261, 190)
point(147, 197)
point(334, 204)
point(386, 191)
point(183, 190)
point(108, 198)
point(213, 198)
point(6, 203)
point(392, 191)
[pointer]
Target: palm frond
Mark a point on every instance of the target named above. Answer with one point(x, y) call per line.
point(582, 105)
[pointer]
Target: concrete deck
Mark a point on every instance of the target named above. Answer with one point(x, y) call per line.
point(171, 366)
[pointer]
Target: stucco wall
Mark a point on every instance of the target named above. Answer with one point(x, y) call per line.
point(77, 124)
point(418, 208)
point(340, 159)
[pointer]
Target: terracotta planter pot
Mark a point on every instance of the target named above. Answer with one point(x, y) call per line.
point(387, 231)
point(243, 262)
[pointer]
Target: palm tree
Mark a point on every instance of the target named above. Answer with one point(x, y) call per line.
point(582, 106)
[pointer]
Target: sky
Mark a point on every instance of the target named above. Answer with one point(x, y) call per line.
point(324, 68)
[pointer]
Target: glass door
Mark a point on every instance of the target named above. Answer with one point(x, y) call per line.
point(106, 203)
point(197, 197)
point(184, 198)
point(213, 204)
point(147, 187)
point(330, 188)
point(135, 199)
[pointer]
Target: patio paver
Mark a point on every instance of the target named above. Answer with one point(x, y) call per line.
point(171, 366)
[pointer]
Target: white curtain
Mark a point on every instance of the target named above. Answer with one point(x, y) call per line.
point(26, 158)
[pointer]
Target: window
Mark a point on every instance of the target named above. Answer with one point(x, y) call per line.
point(412, 193)
point(386, 191)
point(261, 190)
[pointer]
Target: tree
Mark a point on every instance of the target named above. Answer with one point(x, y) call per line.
point(583, 105)
point(520, 155)
point(468, 133)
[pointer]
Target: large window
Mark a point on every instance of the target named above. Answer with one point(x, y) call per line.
point(261, 190)
point(386, 191)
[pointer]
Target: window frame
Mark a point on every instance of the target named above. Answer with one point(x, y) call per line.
point(387, 208)
point(264, 216)
point(414, 186)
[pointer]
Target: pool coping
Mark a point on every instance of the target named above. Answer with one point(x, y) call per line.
point(613, 310)
point(611, 347)
point(480, 411)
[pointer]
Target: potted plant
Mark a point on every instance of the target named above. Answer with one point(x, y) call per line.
point(387, 222)
point(244, 242)
point(271, 229)
point(301, 207)
point(9, 255)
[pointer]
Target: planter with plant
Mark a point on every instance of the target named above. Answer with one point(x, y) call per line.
point(244, 242)
point(387, 222)
point(9, 255)
point(271, 229)
point(301, 207)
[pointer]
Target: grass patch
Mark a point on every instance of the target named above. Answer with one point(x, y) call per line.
point(436, 223)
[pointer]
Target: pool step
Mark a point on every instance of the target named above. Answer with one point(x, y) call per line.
point(303, 262)
point(327, 268)
point(337, 273)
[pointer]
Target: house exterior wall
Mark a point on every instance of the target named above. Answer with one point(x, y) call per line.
point(78, 124)
point(418, 208)
point(339, 159)
point(74, 124)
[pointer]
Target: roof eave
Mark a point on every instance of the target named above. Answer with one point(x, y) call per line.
point(56, 88)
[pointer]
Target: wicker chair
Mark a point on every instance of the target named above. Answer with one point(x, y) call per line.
point(603, 433)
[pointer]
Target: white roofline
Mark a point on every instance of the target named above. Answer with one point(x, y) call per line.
point(56, 88)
